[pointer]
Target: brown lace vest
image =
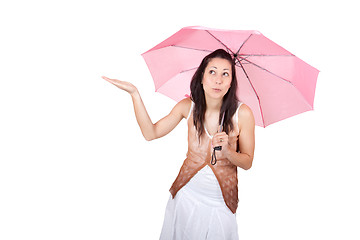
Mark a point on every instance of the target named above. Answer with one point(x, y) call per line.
point(199, 155)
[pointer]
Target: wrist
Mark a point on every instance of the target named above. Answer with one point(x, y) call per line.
point(229, 154)
point(135, 94)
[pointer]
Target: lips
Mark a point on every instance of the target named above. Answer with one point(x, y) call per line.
point(217, 89)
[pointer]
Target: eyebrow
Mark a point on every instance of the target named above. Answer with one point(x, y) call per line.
point(216, 68)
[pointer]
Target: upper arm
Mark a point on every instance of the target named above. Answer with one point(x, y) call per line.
point(169, 122)
point(247, 131)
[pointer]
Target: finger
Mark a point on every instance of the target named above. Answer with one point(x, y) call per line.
point(222, 138)
point(110, 80)
point(105, 78)
point(218, 141)
point(223, 141)
point(220, 129)
point(220, 135)
point(215, 142)
point(113, 81)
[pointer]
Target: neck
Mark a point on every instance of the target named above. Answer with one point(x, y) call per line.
point(213, 105)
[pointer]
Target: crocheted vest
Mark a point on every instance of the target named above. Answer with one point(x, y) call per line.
point(199, 155)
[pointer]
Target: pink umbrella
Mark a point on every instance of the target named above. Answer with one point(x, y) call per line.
point(274, 83)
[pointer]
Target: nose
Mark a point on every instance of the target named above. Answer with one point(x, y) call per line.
point(218, 80)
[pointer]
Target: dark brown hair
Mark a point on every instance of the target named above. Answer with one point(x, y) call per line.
point(230, 100)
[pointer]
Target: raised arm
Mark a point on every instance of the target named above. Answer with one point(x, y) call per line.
point(165, 125)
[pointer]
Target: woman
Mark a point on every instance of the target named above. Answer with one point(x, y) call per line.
point(204, 196)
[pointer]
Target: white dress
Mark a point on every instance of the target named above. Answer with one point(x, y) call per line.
point(198, 212)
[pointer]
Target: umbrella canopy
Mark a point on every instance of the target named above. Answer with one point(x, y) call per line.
point(274, 83)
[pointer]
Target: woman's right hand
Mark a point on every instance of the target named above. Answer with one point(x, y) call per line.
point(126, 86)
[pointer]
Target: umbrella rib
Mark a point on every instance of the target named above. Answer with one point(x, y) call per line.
point(227, 48)
point(187, 70)
point(196, 49)
point(249, 62)
point(243, 44)
point(266, 55)
point(183, 71)
point(265, 70)
point(252, 86)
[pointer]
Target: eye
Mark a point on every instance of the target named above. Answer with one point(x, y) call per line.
point(226, 74)
point(212, 72)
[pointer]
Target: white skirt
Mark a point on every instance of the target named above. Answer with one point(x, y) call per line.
point(198, 212)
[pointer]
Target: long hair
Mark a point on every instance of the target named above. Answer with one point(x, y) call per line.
point(229, 104)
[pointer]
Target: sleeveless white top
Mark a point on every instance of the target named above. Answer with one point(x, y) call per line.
point(198, 210)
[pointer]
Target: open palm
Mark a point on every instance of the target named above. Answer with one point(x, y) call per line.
point(126, 86)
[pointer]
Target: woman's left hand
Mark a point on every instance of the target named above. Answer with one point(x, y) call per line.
point(221, 139)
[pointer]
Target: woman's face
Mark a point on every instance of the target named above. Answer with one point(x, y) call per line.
point(217, 78)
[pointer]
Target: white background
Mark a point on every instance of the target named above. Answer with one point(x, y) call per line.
point(73, 162)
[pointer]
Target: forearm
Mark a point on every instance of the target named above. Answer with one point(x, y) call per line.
point(142, 117)
point(242, 160)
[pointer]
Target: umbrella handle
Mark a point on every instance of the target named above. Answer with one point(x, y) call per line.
point(217, 148)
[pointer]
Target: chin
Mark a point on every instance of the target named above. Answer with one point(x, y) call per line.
point(215, 96)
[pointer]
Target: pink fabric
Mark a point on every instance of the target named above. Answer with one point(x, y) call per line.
point(280, 85)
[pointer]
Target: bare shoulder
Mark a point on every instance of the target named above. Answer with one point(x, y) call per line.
point(246, 116)
point(183, 107)
point(245, 111)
